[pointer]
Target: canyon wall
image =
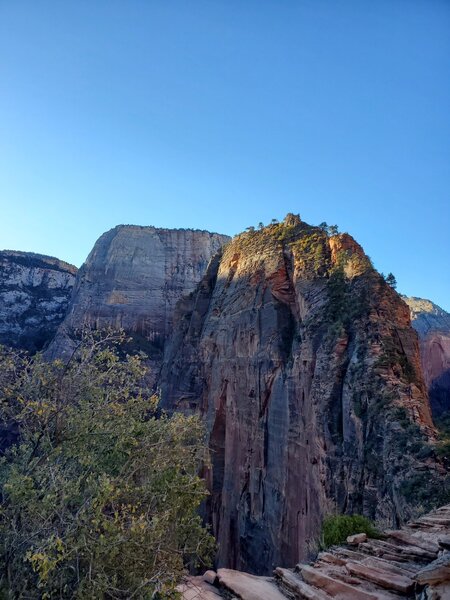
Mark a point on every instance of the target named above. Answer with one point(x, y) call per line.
point(432, 323)
point(132, 280)
point(34, 295)
point(305, 368)
point(296, 353)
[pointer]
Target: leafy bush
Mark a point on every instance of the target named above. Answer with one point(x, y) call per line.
point(336, 528)
point(100, 495)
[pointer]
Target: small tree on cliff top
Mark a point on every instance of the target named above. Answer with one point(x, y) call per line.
point(100, 497)
point(391, 280)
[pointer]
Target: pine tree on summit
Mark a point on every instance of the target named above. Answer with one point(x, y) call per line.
point(391, 280)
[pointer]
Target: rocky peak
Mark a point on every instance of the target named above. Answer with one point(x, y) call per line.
point(432, 323)
point(291, 220)
point(34, 294)
point(303, 364)
point(133, 278)
point(427, 316)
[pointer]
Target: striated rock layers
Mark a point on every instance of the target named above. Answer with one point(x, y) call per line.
point(304, 366)
point(432, 323)
point(34, 294)
point(132, 279)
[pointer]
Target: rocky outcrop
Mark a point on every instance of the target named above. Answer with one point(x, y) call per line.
point(411, 563)
point(302, 362)
point(132, 280)
point(34, 295)
point(432, 323)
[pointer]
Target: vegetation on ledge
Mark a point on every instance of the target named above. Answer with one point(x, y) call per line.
point(336, 529)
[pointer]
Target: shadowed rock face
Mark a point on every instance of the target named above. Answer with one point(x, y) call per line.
point(132, 279)
point(432, 323)
point(34, 294)
point(305, 368)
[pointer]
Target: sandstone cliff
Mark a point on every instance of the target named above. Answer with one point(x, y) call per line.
point(34, 294)
point(304, 366)
point(132, 279)
point(432, 323)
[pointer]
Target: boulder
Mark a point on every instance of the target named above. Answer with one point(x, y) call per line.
point(249, 587)
point(436, 572)
point(210, 577)
point(357, 538)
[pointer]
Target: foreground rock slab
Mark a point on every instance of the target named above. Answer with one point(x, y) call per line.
point(436, 572)
point(195, 588)
point(407, 564)
point(334, 587)
point(249, 587)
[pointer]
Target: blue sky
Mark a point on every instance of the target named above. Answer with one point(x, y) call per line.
point(220, 114)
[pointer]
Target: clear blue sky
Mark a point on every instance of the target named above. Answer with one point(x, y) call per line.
point(220, 114)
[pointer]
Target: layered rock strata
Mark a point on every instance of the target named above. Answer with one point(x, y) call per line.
point(432, 323)
point(303, 364)
point(413, 563)
point(34, 295)
point(132, 280)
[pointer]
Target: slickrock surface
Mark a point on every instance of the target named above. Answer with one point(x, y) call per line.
point(303, 363)
point(195, 588)
point(392, 571)
point(34, 295)
point(249, 587)
point(432, 323)
point(132, 279)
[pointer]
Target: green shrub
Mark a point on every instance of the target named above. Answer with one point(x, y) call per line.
point(100, 496)
point(336, 528)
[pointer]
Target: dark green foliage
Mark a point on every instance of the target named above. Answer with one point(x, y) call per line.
point(393, 355)
point(443, 446)
point(346, 303)
point(336, 528)
point(333, 230)
point(312, 252)
point(390, 280)
point(337, 308)
point(426, 490)
point(100, 496)
point(409, 438)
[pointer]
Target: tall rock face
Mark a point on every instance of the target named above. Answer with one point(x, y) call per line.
point(34, 295)
point(132, 280)
point(432, 323)
point(303, 364)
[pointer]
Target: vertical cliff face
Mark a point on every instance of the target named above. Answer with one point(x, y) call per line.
point(432, 323)
point(132, 280)
point(34, 294)
point(305, 368)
